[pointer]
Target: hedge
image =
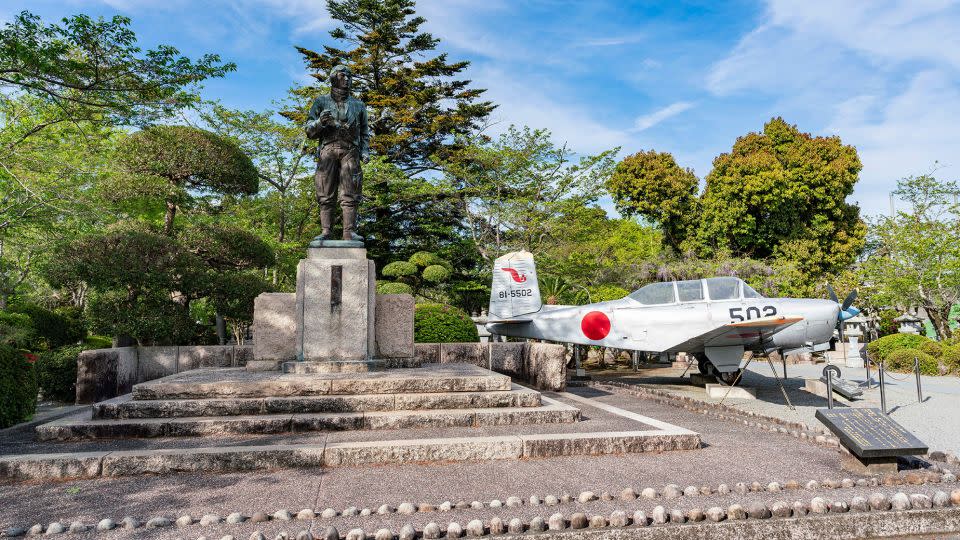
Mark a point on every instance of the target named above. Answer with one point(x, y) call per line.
point(18, 387)
point(57, 373)
point(880, 349)
point(52, 329)
point(440, 323)
point(903, 360)
point(392, 287)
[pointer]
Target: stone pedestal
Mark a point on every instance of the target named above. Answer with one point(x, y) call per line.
point(868, 466)
point(336, 289)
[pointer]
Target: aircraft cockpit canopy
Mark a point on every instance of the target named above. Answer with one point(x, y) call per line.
point(695, 290)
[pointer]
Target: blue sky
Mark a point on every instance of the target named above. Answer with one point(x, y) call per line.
point(684, 77)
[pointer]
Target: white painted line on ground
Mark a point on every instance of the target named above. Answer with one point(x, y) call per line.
point(624, 413)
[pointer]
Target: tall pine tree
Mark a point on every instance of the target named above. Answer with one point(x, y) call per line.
point(418, 107)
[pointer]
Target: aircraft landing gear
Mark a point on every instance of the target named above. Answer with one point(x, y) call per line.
point(707, 368)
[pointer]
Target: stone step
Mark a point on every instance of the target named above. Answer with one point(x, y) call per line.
point(125, 407)
point(84, 427)
point(239, 383)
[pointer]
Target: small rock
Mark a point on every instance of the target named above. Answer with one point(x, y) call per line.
point(516, 526)
point(586, 497)
point(107, 524)
point(735, 511)
point(618, 519)
point(537, 524)
point(758, 510)
point(597, 522)
point(475, 528)
point(387, 509)
point(279, 515)
point(231, 537)
point(356, 534)
point(659, 515)
point(534, 500)
point(550, 500)
point(236, 518)
point(184, 520)
point(445, 506)
point(695, 515)
point(819, 505)
point(383, 534)
point(35, 530)
point(847, 483)
point(691, 491)
point(606, 496)
point(800, 509)
point(260, 517)
point(406, 509)
point(306, 513)
point(677, 516)
point(813, 485)
point(756, 487)
point(648, 493)
point(716, 514)
point(209, 519)
point(476, 505)
point(14, 532)
point(130, 523)
point(496, 503)
point(955, 497)
point(257, 535)
point(350, 511)
point(773, 487)
point(920, 501)
point(723, 489)
point(791, 485)
point(427, 507)
point(706, 490)
point(462, 505)
point(741, 488)
point(862, 482)
point(566, 498)
point(839, 507)
point(900, 501)
point(941, 499)
point(640, 518)
point(672, 491)
point(454, 530)
point(578, 520)
point(158, 522)
point(497, 526)
point(55, 528)
point(859, 504)
point(557, 522)
point(514, 502)
point(407, 532)
point(431, 531)
point(878, 501)
point(913, 478)
point(781, 509)
point(331, 533)
point(77, 527)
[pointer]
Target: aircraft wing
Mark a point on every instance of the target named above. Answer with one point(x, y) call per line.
point(739, 333)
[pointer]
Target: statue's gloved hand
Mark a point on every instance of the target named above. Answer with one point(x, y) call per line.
point(313, 128)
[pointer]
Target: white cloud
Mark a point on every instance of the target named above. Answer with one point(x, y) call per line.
point(613, 41)
point(647, 121)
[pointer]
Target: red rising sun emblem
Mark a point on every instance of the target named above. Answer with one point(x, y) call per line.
point(595, 325)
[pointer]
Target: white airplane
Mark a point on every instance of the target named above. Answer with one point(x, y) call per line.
point(714, 319)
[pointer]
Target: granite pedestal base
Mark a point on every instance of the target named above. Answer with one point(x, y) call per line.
point(868, 466)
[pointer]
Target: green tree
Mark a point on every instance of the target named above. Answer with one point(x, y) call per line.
point(915, 255)
point(652, 185)
point(781, 193)
point(179, 161)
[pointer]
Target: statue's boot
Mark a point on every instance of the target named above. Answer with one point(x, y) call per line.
point(326, 223)
point(350, 225)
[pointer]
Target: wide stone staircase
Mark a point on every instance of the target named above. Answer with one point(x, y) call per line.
point(217, 402)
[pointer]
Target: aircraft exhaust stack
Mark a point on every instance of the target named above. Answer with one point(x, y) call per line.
point(515, 290)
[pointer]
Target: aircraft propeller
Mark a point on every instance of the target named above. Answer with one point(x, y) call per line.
point(846, 309)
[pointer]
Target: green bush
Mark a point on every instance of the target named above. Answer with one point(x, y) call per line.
point(152, 320)
point(57, 373)
point(932, 348)
point(881, 348)
point(435, 273)
point(399, 269)
point(392, 287)
point(424, 259)
point(98, 342)
point(52, 329)
point(18, 387)
point(903, 359)
point(951, 358)
point(440, 323)
point(603, 293)
point(16, 329)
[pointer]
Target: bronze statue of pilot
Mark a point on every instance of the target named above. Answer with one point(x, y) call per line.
point(339, 122)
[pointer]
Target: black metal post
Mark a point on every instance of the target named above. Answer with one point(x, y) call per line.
point(828, 373)
point(867, 364)
point(883, 391)
point(916, 368)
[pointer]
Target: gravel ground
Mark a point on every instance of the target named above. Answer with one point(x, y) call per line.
point(934, 421)
point(732, 453)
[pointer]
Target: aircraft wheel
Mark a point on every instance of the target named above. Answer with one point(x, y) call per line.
point(727, 378)
point(703, 365)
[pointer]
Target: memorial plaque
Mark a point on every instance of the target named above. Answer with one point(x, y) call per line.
point(869, 433)
point(845, 388)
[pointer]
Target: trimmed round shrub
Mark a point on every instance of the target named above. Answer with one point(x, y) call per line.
point(57, 373)
point(424, 259)
point(435, 274)
point(392, 287)
point(881, 348)
point(53, 329)
point(18, 386)
point(932, 348)
point(98, 342)
point(399, 269)
point(903, 359)
point(951, 358)
point(440, 323)
point(16, 330)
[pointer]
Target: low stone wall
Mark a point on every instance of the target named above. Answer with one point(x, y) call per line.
point(108, 373)
point(544, 365)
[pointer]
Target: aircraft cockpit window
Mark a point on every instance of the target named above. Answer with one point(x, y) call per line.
point(655, 293)
point(723, 288)
point(748, 292)
point(690, 291)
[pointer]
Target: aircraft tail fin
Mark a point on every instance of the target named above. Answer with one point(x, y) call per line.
point(515, 290)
